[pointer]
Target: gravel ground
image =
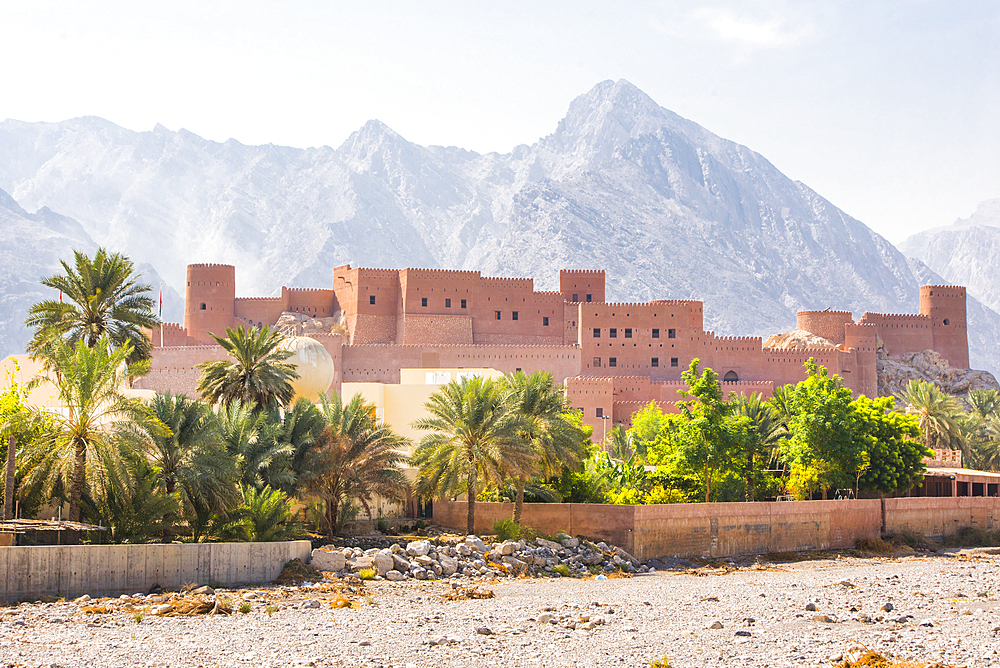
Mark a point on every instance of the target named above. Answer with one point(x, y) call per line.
point(943, 608)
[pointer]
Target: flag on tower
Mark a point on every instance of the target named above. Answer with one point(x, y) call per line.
point(160, 312)
point(60, 297)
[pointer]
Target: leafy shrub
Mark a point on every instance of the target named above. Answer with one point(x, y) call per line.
point(381, 525)
point(507, 529)
point(561, 569)
point(660, 663)
point(270, 609)
point(245, 607)
point(367, 573)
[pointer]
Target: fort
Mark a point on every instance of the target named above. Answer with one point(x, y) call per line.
point(613, 357)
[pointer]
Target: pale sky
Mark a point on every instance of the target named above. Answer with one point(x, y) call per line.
point(887, 108)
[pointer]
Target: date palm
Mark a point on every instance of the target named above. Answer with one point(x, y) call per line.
point(354, 458)
point(937, 412)
point(249, 437)
point(100, 297)
point(192, 459)
point(98, 424)
point(473, 436)
point(764, 437)
point(255, 373)
point(545, 429)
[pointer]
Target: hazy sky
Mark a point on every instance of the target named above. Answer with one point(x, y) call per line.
point(888, 109)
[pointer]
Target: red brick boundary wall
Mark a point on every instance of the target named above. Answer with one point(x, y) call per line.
point(735, 529)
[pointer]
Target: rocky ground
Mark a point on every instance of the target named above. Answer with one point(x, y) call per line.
point(932, 608)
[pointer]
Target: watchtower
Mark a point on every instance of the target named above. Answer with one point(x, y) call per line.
point(945, 305)
point(209, 300)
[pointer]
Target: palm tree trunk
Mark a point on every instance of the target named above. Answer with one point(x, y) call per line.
point(76, 484)
point(470, 491)
point(8, 490)
point(519, 499)
point(332, 509)
point(708, 482)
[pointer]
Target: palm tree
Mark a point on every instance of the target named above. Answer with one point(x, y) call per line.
point(192, 460)
point(264, 516)
point(620, 443)
point(354, 458)
point(129, 500)
point(937, 412)
point(257, 372)
point(294, 432)
point(766, 433)
point(98, 423)
point(101, 296)
point(249, 437)
point(545, 429)
point(983, 403)
point(474, 436)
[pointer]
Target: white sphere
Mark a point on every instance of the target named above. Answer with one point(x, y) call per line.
point(313, 363)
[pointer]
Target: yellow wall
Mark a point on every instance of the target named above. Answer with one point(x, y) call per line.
point(23, 370)
point(400, 405)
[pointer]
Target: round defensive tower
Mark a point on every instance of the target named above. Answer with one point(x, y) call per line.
point(827, 324)
point(945, 305)
point(209, 300)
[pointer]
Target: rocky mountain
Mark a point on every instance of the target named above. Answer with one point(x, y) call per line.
point(967, 252)
point(668, 208)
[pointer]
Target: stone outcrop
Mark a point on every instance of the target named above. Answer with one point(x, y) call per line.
point(797, 338)
point(895, 371)
point(297, 324)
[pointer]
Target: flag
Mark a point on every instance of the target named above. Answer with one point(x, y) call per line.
point(60, 297)
point(160, 313)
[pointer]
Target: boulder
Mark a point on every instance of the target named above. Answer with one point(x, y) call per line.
point(400, 563)
point(449, 565)
point(383, 562)
point(327, 560)
point(548, 543)
point(476, 544)
point(418, 548)
point(361, 563)
point(394, 576)
point(506, 548)
point(570, 543)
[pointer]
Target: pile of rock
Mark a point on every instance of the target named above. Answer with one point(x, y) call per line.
point(471, 557)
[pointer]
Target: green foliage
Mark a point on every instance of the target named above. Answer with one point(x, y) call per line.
point(893, 452)
point(101, 298)
point(256, 373)
point(353, 459)
point(647, 423)
point(562, 569)
point(129, 500)
point(507, 529)
point(938, 414)
point(265, 515)
point(367, 573)
point(245, 607)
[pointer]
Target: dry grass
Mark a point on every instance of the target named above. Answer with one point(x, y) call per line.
point(874, 546)
point(197, 605)
point(95, 609)
point(467, 594)
point(298, 571)
point(872, 659)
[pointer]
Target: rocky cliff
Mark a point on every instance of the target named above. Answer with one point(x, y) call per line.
point(896, 371)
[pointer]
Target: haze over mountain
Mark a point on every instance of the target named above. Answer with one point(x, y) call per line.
point(668, 208)
point(966, 252)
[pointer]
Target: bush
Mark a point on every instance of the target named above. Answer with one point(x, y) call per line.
point(874, 546)
point(561, 569)
point(507, 529)
point(367, 573)
point(381, 525)
point(969, 537)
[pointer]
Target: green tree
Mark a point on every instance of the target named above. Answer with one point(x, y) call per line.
point(250, 437)
point(938, 414)
point(191, 460)
point(129, 499)
point(473, 436)
point(101, 297)
point(354, 458)
point(256, 372)
point(891, 444)
point(979, 429)
point(647, 423)
point(264, 516)
point(705, 415)
point(621, 443)
point(821, 426)
point(761, 438)
point(545, 430)
point(98, 424)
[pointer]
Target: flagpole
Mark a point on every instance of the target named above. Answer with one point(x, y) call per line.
point(161, 315)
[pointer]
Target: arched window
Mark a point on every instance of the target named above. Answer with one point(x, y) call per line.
point(203, 307)
point(945, 321)
point(731, 377)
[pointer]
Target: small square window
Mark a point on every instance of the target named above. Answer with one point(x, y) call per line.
point(497, 313)
point(600, 412)
point(590, 298)
point(613, 361)
point(597, 362)
point(597, 332)
point(656, 333)
point(447, 303)
point(463, 303)
point(671, 333)
point(513, 315)
point(673, 361)
point(545, 321)
point(576, 297)
point(628, 332)
point(423, 301)
point(613, 333)
point(371, 299)
point(655, 362)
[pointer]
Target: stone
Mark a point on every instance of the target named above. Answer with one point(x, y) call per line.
point(424, 561)
point(716, 625)
point(823, 619)
point(888, 607)
point(464, 550)
point(449, 565)
point(927, 622)
point(506, 548)
point(484, 630)
point(328, 560)
point(400, 563)
point(365, 643)
point(545, 618)
point(418, 548)
point(476, 544)
point(541, 542)
point(810, 607)
point(570, 543)
point(743, 634)
point(161, 609)
point(394, 576)
point(204, 589)
point(384, 562)
point(311, 604)
point(516, 564)
point(82, 599)
point(361, 563)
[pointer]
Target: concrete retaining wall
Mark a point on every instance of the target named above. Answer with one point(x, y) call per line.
point(112, 570)
point(935, 517)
